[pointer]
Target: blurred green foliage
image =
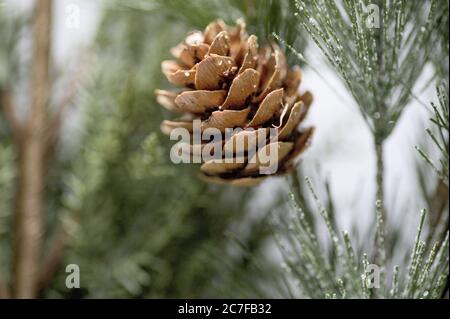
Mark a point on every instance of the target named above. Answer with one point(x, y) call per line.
point(144, 227)
point(138, 225)
point(262, 17)
point(141, 226)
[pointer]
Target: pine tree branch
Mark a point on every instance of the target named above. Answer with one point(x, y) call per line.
point(379, 179)
point(53, 260)
point(62, 107)
point(57, 247)
point(380, 254)
point(29, 193)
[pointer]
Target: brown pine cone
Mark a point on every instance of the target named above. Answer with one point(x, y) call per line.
point(231, 83)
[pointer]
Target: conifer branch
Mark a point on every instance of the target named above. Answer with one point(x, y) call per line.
point(306, 264)
point(28, 219)
point(378, 62)
point(62, 107)
point(439, 136)
point(53, 260)
point(378, 49)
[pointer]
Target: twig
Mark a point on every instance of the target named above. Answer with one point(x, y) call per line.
point(380, 210)
point(53, 260)
point(62, 107)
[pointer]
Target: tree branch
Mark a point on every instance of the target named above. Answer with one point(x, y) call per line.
point(61, 107)
point(53, 260)
point(380, 209)
point(28, 221)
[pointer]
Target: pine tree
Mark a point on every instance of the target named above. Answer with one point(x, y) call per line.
point(379, 50)
point(139, 226)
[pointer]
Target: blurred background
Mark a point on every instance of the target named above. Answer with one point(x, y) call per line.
point(139, 226)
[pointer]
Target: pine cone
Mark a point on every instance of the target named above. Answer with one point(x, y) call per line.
point(231, 83)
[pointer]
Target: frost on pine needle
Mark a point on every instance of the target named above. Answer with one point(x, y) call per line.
point(439, 134)
point(379, 49)
point(379, 62)
point(349, 274)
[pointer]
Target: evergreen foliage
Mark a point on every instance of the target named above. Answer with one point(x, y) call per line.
point(139, 226)
point(348, 272)
point(439, 136)
point(145, 225)
point(379, 48)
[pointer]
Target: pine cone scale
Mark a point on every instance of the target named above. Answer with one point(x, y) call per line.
point(199, 101)
point(269, 106)
point(212, 71)
point(222, 120)
point(243, 86)
point(220, 45)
